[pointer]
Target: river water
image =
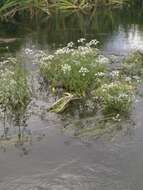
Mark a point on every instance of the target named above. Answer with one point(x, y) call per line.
point(52, 160)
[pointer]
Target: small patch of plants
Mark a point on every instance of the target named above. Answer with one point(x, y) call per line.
point(133, 64)
point(116, 97)
point(83, 71)
point(77, 70)
point(14, 93)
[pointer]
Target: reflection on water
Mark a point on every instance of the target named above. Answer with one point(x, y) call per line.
point(118, 31)
point(123, 42)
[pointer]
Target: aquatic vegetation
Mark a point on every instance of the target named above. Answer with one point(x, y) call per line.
point(83, 71)
point(76, 70)
point(133, 64)
point(14, 93)
point(117, 97)
point(10, 8)
point(77, 74)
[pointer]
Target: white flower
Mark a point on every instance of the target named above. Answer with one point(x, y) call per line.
point(84, 50)
point(83, 71)
point(66, 68)
point(123, 95)
point(81, 40)
point(48, 58)
point(64, 50)
point(91, 43)
point(115, 73)
point(70, 44)
point(116, 118)
point(28, 51)
point(100, 74)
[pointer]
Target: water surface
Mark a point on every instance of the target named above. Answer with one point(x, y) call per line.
point(53, 160)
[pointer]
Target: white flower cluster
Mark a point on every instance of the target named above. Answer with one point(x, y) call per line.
point(28, 51)
point(47, 58)
point(2, 63)
point(92, 43)
point(83, 71)
point(65, 50)
point(117, 118)
point(100, 74)
point(117, 92)
point(115, 74)
point(70, 44)
point(9, 61)
point(81, 40)
point(111, 85)
point(66, 68)
point(84, 50)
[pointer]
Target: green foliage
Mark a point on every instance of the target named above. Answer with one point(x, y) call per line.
point(84, 72)
point(116, 97)
point(10, 8)
point(71, 4)
point(14, 91)
point(74, 69)
point(133, 64)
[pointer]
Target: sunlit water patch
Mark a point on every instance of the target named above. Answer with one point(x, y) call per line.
point(123, 41)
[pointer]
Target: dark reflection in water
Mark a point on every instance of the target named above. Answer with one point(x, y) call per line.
point(118, 31)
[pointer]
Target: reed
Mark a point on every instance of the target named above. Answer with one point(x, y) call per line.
point(9, 8)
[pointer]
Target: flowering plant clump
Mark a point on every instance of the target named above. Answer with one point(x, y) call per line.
point(133, 64)
point(82, 70)
point(14, 92)
point(9, 62)
point(116, 97)
point(76, 69)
